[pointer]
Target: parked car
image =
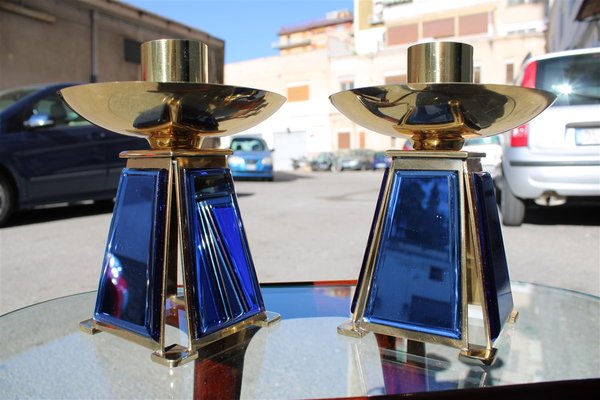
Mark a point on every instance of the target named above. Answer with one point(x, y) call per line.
point(354, 160)
point(380, 161)
point(492, 147)
point(555, 158)
point(324, 161)
point(49, 154)
point(251, 158)
point(300, 163)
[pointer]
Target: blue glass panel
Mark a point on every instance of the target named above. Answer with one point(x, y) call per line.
point(227, 288)
point(416, 280)
point(130, 286)
point(496, 281)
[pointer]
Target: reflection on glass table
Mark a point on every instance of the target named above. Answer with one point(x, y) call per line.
point(552, 347)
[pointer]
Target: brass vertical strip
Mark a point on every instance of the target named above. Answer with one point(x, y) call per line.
point(171, 234)
point(167, 258)
point(184, 262)
point(473, 164)
point(462, 207)
point(477, 281)
point(367, 279)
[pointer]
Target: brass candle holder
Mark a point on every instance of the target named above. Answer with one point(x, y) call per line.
point(435, 245)
point(176, 208)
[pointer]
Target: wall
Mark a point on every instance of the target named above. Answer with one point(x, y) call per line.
point(53, 40)
point(566, 32)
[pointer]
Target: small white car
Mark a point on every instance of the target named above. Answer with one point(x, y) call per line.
point(492, 147)
point(555, 158)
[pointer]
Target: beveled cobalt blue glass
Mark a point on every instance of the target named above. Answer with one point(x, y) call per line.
point(496, 280)
point(227, 289)
point(417, 280)
point(129, 295)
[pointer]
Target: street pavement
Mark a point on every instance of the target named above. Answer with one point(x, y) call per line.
point(303, 226)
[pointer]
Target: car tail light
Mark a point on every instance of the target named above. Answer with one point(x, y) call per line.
point(530, 75)
point(519, 136)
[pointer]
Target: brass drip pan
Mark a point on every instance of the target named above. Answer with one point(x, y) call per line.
point(440, 107)
point(172, 115)
point(174, 107)
point(445, 111)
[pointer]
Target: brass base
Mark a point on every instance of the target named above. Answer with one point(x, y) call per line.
point(88, 327)
point(174, 356)
point(351, 329)
point(478, 355)
point(271, 318)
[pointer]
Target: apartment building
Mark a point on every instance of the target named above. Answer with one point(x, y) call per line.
point(320, 58)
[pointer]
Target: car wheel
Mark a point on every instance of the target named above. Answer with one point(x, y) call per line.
point(7, 200)
point(105, 202)
point(511, 207)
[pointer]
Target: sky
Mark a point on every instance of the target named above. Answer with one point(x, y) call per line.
point(248, 27)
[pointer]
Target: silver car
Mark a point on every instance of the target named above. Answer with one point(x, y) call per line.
point(491, 146)
point(555, 158)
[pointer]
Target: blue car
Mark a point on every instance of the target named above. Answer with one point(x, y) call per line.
point(49, 154)
point(380, 161)
point(251, 158)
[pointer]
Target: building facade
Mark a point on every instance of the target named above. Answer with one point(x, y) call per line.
point(84, 41)
point(573, 25)
point(373, 51)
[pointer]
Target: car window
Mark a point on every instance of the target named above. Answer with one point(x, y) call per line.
point(51, 106)
point(482, 140)
point(248, 144)
point(324, 156)
point(10, 97)
point(575, 79)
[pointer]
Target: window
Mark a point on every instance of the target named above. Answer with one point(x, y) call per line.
point(575, 79)
point(517, 2)
point(57, 111)
point(343, 140)
point(131, 51)
point(473, 24)
point(510, 73)
point(403, 34)
point(346, 84)
point(248, 144)
point(297, 93)
point(8, 98)
point(49, 111)
point(476, 74)
point(395, 80)
point(438, 28)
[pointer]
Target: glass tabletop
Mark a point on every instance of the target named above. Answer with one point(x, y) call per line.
point(45, 355)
